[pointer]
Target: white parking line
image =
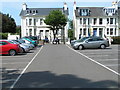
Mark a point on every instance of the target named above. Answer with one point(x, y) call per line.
point(94, 61)
point(15, 63)
point(107, 59)
point(112, 65)
point(25, 69)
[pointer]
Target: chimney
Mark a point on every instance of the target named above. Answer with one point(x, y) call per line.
point(24, 6)
point(74, 6)
point(65, 6)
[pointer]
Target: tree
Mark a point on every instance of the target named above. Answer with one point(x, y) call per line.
point(18, 30)
point(8, 24)
point(70, 31)
point(56, 20)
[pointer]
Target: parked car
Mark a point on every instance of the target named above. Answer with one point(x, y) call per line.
point(7, 47)
point(30, 40)
point(25, 48)
point(82, 39)
point(35, 38)
point(31, 46)
point(91, 42)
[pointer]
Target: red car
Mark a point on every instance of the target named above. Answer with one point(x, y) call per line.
point(7, 47)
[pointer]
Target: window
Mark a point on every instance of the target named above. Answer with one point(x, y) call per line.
point(107, 20)
point(34, 31)
point(41, 21)
point(84, 31)
point(30, 32)
point(88, 21)
point(81, 31)
point(34, 21)
point(3, 43)
point(30, 21)
point(84, 12)
point(111, 31)
point(90, 40)
point(111, 20)
point(94, 21)
point(115, 31)
point(107, 31)
point(80, 20)
point(84, 20)
point(100, 32)
point(26, 22)
point(100, 21)
point(30, 11)
point(115, 21)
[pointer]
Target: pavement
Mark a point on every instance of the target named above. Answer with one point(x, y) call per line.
point(58, 66)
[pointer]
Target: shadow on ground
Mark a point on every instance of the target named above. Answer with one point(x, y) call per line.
point(46, 79)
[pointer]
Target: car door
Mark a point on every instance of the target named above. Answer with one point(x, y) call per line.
point(90, 43)
point(3, 47)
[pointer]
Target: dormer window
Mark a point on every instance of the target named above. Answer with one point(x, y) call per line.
point(34, 11)
point(27, 11)
point(30, 11)
point(110, 11)
point(84, 12)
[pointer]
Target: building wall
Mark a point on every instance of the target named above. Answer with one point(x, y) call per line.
point(89, 28)
point(38, 28)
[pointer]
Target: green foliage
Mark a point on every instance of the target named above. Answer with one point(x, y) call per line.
point(56, 19)
point(116, 40)
point(70, 34)
point(8, 24)
point(71, 24)
point(18, 30)
point(3, 35)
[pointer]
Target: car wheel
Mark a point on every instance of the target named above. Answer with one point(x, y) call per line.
point(102, 46)
point(80, 47)
point(12, 52)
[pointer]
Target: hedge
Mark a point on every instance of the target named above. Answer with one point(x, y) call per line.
point(116, 40)
point(3, 35)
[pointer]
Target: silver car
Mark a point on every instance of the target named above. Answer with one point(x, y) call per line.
point(25, 48)
point(91, 42)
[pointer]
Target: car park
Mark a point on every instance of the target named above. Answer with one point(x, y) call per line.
point(91, 42)
point(7, 47)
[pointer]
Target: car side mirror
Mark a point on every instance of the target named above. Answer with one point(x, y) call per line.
point(86, 41)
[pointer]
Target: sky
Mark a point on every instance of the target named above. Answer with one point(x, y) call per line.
point(14, 7)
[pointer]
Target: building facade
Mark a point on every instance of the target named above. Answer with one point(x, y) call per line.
point(32, 22)
point(97, 21)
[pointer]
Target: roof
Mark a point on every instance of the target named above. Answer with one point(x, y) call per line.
point(38, 11)
point(94, 11)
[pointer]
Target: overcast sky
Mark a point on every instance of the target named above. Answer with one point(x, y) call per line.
point(13, 7)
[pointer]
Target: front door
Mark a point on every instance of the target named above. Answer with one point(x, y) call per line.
point(95, 32)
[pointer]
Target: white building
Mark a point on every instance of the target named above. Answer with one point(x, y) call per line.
point(98, 21)
point(32, 22)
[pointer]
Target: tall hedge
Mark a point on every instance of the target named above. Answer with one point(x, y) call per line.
point(116, 40)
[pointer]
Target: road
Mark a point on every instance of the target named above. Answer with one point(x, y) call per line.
point(58, 66)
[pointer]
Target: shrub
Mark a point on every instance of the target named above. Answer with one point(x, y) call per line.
point(3, 35)
point(116, 40)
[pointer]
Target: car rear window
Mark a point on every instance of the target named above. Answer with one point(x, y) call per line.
point(3, 43)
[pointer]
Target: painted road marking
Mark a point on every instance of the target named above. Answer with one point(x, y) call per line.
point(94, 61)
point(25, 69)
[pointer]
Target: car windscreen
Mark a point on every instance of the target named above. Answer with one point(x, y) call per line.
point(82, 39)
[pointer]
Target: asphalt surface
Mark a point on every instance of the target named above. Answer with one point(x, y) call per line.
point(58, 66)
